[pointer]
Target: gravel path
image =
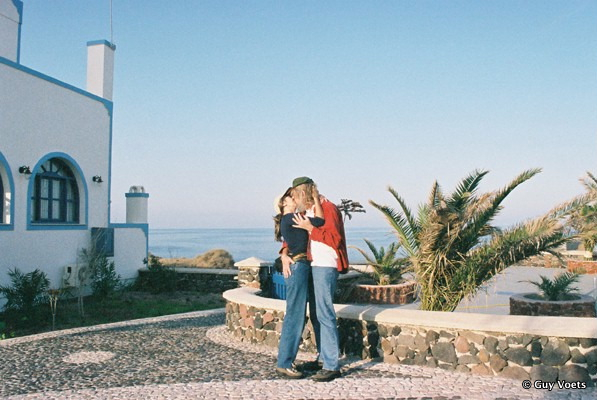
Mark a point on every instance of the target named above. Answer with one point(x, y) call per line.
point(190, 356)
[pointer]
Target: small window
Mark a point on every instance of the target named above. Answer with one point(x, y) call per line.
point(103, 241)
point(55, 194)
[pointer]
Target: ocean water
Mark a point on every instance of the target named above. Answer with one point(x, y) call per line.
point(245, 243)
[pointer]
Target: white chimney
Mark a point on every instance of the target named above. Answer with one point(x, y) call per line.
point(11, 14)
point(100, 68)
point(136, 205)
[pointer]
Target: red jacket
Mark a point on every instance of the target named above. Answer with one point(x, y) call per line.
point(330, 233)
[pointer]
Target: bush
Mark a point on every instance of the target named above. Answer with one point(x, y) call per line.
point(24, 297)
point(158, 279)
point(217, 258)
point(559, 288)
point(104, 279)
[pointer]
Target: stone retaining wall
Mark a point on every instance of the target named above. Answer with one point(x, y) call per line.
point(586, 267)
point(584, 306)
point(203, 280)
point(368, 332)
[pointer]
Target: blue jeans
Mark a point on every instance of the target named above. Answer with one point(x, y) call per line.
point(297, 286)
point(322, 287)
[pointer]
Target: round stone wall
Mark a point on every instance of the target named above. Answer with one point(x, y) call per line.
point(584, 306)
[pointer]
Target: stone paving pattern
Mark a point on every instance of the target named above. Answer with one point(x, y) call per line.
point(191, 356)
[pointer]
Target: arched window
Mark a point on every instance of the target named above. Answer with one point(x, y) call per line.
point(55, 196)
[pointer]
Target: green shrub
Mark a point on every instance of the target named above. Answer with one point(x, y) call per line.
point(158, 279)
point(104, 279)
point(559, 288)
point(24, 298)
point(387, 266)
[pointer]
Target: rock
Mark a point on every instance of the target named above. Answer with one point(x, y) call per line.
point(481, 369)
point(473, 349)
point(577, 357)
point(447, 367)
point(544, 373)
point(432, 362)
point(514, 373)
point(463, 369)
point(591, 357)
point(513, 340)
point(446, 335)
point(586, 343)
point(490, 344)
point(404, 352)
point(396, 330)
point(483, 355)
point(406, 340)
point(575, 373)
point(386, 346)
point(527, 339)
point(382, 329)
point(390, 359)
point(407, 361)
point(420, 359)
point(572, 342)
point(503, 344)
point(421, 344)
point(445, 352)
point(497, 363)
point(461, 344)
point(271, 339)
point(468, 359)
point(536, 349)
point(431, 337)
point(473, 337)
point(555, 353)
point(519, 356)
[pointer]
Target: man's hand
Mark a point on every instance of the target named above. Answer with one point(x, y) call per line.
point(302, 222)
point(286, 261)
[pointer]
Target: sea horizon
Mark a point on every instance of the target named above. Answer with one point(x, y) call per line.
point(243, 243)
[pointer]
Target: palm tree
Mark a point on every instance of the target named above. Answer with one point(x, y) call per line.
point(387, 266)
point(454, 249)
point(559, 288)
point(584, 220)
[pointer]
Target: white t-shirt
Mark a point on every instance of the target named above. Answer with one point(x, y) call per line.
point(322, 254)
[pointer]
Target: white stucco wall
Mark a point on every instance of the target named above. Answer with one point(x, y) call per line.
point(10, 21)
point(127, 242)
point(39, 117)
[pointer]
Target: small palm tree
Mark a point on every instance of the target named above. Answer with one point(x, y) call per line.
point(559, 288)
point(387, 266)
point(584, 220)
point(453, 247)
point(347, 207)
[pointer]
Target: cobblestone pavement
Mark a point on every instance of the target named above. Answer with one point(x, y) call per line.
point(190, 356)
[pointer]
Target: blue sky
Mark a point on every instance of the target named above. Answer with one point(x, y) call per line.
point(220, 104)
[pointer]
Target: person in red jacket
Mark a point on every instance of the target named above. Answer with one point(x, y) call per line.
point(329, 257)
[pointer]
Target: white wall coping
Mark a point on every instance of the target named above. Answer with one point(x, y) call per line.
point(521, 324)
point(253, 262)
point(199, 270)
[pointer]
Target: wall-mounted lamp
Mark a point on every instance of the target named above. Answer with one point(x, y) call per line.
point(25, 170)
point(97, 179)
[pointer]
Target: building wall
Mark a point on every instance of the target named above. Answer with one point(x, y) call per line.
point(42, 118)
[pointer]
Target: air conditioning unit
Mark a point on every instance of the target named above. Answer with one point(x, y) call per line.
point(70, 277)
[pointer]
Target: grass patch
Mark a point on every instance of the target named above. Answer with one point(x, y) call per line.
point(122, 306)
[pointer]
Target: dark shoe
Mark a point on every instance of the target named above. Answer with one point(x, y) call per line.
point(325, 375)
point(310, 366)
point(290, 373)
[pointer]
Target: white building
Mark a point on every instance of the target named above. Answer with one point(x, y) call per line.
point(55, 165)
